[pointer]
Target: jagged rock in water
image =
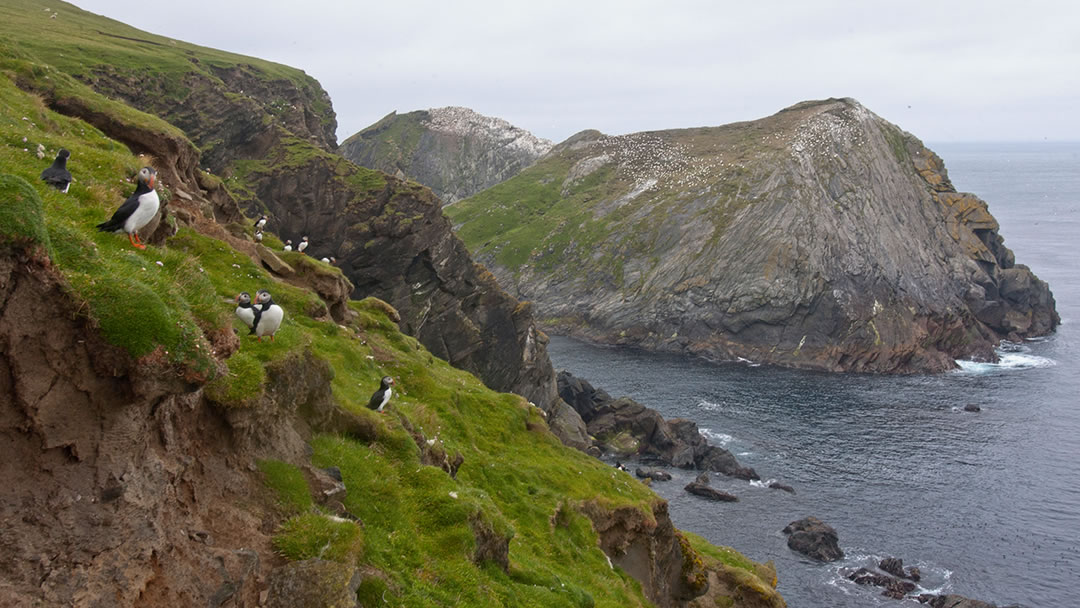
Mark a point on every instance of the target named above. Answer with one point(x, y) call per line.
point(628, 427)
point(454, 151)
point(653, 474)
point(820, 237)
point(895, 567)
point(699, 489)
point(814, 538)
point(953, 601)
point(894, 588)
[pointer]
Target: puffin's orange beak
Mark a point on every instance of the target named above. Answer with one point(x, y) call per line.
point(237, 299)
point(153, 180)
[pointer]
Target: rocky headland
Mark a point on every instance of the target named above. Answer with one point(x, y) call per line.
point(821, 237)
point(454, 151)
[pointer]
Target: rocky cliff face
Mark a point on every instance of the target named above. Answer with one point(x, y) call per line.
point(271, 134)
point(454, 151)
point(394, 243)
point(821, 237)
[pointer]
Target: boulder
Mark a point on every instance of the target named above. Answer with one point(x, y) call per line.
point(567, 425)
point(776, 485)
point(952, 601)
point(313, 583)
point(272, 262)
point(700, 489)
point(814, 538)
point(653, 474)
point(971, 407)
point(895, 567)
point(894, 588)
point(580, 394)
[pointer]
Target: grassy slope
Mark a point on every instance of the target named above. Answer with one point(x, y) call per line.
point(527, 220)
point(415, 530)
point(398, 137)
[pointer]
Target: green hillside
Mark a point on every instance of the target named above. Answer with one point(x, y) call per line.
point(173, 304)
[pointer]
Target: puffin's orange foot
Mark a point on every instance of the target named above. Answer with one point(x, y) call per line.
point(139, 245)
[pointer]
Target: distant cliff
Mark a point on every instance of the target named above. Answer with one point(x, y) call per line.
point(820, 237)
point(454, 151)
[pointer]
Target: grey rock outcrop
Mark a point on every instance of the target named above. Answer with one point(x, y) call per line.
point(454, 151)
point(814, 538)
point(628, 428)
point(821, 237)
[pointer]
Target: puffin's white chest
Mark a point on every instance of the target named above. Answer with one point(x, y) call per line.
point(247, 315)
point(269, 321)
point(147, 209)
point(385, 398)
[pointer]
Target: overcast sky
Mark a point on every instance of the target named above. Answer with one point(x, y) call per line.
point(944, 70)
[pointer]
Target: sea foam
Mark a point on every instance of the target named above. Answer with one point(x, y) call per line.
point(720, 439)
point(1011, 356)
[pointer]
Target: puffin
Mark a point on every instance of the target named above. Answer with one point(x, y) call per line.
point(244, 311)
point(303, 245)
point(268, 316)
point(288, 246)
point(137, 210)
point(56, 174)
point(259, 223)
point(258, 236)
point(382, 396)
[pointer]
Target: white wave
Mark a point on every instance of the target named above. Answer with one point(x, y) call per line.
point(757, 483)
point(747, 361)
point(1006, 362)
point(1011, 356)
point(935, 579)
point(721, 439)
point(726, 408)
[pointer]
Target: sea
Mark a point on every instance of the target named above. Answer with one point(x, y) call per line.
point(986, 504)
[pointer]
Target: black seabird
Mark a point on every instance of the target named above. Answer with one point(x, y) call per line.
point(288, 246)
point(382, 396)
point(137, 210)
point(259, 223)
point(258, 236)
point(303, 245)
point(56, 174)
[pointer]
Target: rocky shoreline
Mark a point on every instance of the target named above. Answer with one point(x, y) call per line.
point(621, 428)
point(624, 428)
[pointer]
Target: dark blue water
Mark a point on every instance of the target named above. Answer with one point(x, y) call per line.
point(986, 504)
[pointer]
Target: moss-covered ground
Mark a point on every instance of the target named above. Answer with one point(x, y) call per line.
point(166, 302)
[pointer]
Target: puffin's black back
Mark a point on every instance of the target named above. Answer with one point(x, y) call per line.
point(56, 174)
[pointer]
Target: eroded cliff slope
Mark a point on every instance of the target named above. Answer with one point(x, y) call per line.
point(820, 237)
